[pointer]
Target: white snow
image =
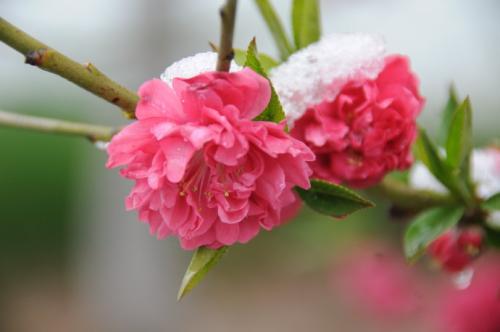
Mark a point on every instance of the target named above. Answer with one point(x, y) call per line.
point(319, 71)
point(192, 66)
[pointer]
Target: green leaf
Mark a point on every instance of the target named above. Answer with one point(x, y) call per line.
point(274, 111)
point(274, 24)
point(240, 56)
point(492, 237)
point(427, 226)
point(492, 203)
point(202, 261)
point(332, 199)
point(459, 141)
point(266, 61)
point(447, 114)
point(427, 152)
point(305, 22)
point(252, 58)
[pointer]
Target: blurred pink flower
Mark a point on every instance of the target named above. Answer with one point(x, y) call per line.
point(367, 130)
point(203, 170)
point(476, 308)
point(378, 281)
point(456, 249)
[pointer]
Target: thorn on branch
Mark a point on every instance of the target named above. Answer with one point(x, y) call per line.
point(92, 69)
point(222, 13)
point(213, 46)
point(35, 58)
point(400, 214)
point(230, 56)
point(128, 114)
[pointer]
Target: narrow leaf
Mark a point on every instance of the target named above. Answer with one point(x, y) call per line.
point(426, 227)
point(267, 62)
point(274, 24)
point(305, 22)
point(332, 199)
point(274, 111)
point(202, 261)
point(252, 58)
point(427, 152)
point(459, 141)
point(492, 203)
point(448, 110)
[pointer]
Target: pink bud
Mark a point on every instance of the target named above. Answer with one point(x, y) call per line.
point(457, 248)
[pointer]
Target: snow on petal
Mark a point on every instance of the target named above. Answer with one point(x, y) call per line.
point(318, 72)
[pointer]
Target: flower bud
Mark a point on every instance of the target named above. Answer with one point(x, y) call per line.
point(457, 248)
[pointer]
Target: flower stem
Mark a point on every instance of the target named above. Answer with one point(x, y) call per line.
point(85, 76)
point(406, 197)
point(92, 132)
point(226, 53)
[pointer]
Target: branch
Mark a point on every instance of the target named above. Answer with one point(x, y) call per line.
point(85, 76)
point(92, 132)
point(226, 53)
point(403, 196)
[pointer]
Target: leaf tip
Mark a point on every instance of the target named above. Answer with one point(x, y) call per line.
point(452, 91)
point(253, 45)
point(183, 290)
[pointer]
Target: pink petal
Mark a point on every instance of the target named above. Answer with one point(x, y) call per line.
point(177, 152)
point(227, 233)
point(158, 100)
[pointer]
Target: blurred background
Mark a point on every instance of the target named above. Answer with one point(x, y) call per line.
point(71, 258)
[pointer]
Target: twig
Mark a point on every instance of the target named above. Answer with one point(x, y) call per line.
point(226, 53)
point(86, 76)
point(403, 196)
point(92, 132)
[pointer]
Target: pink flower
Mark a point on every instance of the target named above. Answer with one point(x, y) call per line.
point(367, 130)
point(379, 282)
point(203, 170)
point(476, 308)
point(456, 249)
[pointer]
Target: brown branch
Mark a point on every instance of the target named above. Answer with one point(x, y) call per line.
point(92, 132)
point(85, 76)
point(226, 53)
